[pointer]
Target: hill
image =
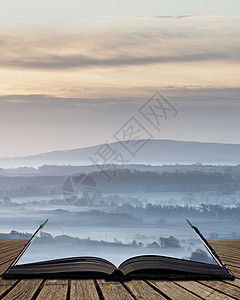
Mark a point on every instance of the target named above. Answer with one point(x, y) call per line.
point(154, 152)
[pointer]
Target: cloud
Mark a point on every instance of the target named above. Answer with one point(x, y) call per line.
point(169, 17)
point(44, 101)
point(54, 62)
point(120, 59)
point(210, 94)
point(130, 44)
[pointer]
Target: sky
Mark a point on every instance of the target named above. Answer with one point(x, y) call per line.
point(73, 72)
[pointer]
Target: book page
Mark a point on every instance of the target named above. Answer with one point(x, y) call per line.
point(118, 243)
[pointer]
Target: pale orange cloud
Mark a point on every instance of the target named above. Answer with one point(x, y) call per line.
point(87, 81)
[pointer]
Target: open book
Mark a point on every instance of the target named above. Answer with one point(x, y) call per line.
point(143, 266)
point(149, 266)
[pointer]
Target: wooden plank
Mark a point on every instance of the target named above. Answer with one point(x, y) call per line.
point(226, 247)
point(83, 289)
point(11, 248)
point(54, 289)
point(5, 286)
point(6, 248)
point(235, 282)
point(173, 291)
point(113, 290)
point(8, 257)
point(24, 290)
point(229, 247)
point(5, 266)
point(232, 263)
point(228, 241)
point(229, 255)
point(12, 241)
point(202, 290)
point(234, 253)
point(232, 267)
point(141, 290)
point(227, 250)
point(224, 287)
point(4, 255)
point(226, 257)
point(9, 241)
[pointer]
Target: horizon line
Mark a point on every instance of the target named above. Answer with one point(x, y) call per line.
point(114, 142)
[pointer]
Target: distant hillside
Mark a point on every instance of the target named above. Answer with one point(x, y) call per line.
point(155, 152)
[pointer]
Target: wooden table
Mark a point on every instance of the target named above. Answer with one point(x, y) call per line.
point(41, 289)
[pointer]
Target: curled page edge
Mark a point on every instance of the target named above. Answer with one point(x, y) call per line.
point(31, 240)
point(209, 248)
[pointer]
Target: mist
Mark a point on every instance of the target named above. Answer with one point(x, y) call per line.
point(140, 210)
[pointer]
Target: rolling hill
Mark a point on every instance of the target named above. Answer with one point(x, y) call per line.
point(154, 152)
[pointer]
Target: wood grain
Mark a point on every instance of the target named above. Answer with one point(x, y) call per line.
point(54, 290)
point(5, 266)
point(235, 282)
point(9, 250)
point(5, 286)
point(24, 290)
point(224, 287)
point(142, 290)
point(203, 291)
point(4, 256)
point(113, 290)
point(83, 289)
point(173, 291)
